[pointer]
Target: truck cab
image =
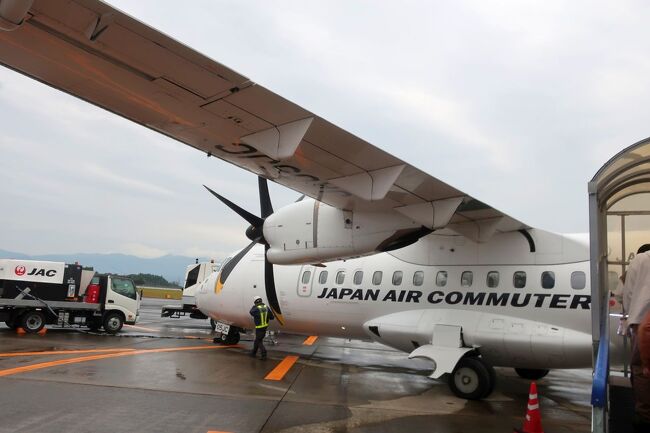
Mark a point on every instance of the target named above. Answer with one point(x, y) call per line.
point(119, 299)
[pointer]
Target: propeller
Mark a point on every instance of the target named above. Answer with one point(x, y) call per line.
point(256, 234)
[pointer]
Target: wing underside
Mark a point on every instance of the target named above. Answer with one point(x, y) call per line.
point(90, 50)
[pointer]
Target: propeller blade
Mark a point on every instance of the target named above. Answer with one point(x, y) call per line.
point(230, 265)
point(253, 220)
point(266, 208)
point(269, 284)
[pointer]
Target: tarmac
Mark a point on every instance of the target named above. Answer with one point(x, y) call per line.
point(166, 375)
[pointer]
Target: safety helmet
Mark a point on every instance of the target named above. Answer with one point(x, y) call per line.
point(257, 299)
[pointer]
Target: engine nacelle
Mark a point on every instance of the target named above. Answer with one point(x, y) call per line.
point(312, 232)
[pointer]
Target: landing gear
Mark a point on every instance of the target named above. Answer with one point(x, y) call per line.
point(472, 379)
point(531, 373)
point(232, 337)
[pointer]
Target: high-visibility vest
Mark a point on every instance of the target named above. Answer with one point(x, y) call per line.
point(264, 317)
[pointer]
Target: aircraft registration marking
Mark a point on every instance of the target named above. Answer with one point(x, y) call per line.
point(282, 368)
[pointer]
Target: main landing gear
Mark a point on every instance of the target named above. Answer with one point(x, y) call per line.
point(472, 379)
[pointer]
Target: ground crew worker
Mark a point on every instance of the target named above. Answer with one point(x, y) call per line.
point(261, 316)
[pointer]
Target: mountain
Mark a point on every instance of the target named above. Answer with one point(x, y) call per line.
point(171, 267)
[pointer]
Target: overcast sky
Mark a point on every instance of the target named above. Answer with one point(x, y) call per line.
point(517, 103)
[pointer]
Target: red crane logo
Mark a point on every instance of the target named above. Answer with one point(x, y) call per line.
point(20, 270)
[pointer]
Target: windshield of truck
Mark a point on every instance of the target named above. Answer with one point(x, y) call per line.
point(123, 287)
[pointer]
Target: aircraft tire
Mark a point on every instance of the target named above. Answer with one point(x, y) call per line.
point(531, 373)
point(471, 379)
point(32, 321)
point(232, 337)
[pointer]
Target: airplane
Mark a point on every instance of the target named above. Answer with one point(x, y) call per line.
point(377, 248)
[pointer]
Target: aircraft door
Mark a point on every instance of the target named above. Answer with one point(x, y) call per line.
point(305, 281)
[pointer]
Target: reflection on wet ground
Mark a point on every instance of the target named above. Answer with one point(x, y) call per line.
point(166, 375)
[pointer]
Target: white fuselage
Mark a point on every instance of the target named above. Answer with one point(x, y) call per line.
point(530, 326)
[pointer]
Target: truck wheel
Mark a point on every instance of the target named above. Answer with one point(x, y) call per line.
point(213, 324)
point(531, 373)
point(471, 379)
point(32, 321)
point(113, 322)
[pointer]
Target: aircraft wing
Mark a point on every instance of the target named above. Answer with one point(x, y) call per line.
point(91, 50)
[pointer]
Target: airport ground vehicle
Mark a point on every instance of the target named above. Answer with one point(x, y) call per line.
point(194, 276)
point(35, 293)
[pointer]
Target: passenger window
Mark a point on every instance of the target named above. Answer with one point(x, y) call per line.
point(358, 277)
point(397, 278)
point(376, 278)
point(418, 278)
point(492, 279)
point(306, 276)
point(466, 279)
point(441, 278)
point(340, 277)
point(322, 277)
point(519, 280)
point(578, 280)
point(548, 279)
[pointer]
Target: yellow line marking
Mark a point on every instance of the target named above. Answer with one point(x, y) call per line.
point(61, 352)
point(310, 340)
point(142, 327)
point(282, 368)
point(26, 368)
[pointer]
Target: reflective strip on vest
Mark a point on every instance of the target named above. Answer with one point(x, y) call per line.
point(264, 317)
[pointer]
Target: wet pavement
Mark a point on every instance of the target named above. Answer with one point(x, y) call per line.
point(165, 375)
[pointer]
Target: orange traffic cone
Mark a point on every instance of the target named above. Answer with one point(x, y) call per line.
point(20, 331)
point(533, 421)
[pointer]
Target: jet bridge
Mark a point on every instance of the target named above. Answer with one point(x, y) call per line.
point(619, 222)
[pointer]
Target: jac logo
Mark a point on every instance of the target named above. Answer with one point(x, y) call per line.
point(20, 271)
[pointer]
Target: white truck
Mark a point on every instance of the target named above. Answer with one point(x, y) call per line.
point(194, 276)
point(35, 293)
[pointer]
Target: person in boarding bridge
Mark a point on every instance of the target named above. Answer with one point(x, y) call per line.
point(261, 316)
point(636, 303)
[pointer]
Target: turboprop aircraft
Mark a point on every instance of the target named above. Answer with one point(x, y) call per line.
point(378, 249)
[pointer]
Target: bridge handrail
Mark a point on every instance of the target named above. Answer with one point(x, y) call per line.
point(601, 370)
